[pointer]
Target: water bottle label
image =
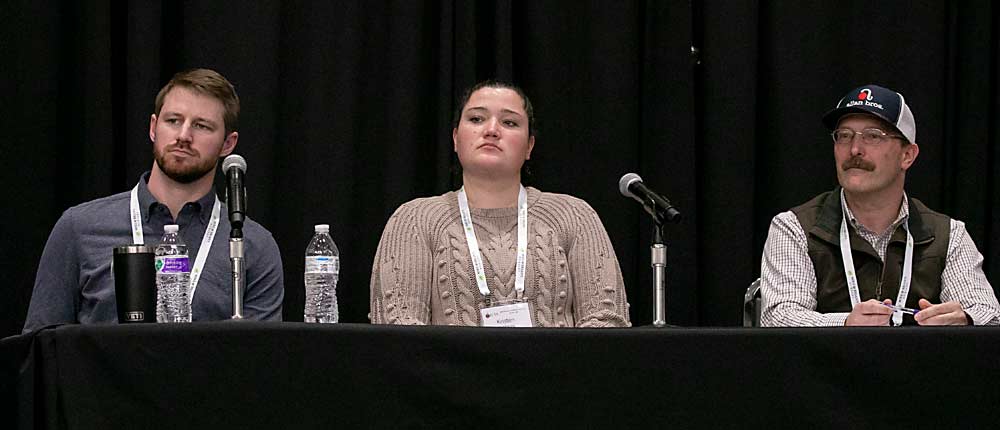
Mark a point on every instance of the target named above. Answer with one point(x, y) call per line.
point(172, 264)
point(323, 264)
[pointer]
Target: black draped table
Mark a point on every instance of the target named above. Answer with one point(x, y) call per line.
point(295, 375)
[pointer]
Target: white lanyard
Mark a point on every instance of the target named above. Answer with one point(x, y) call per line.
point(206, 240)
point(522, 241)
point(852, 278)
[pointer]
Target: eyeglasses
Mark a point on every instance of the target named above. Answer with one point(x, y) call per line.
point(870, 136)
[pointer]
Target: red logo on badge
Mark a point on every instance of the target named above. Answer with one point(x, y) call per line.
point(865, 94)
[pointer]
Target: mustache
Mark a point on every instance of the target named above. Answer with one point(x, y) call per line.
point(185, 147)
point(858, 163)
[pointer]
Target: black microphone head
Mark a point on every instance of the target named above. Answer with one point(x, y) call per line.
point(626, 180)
point(234, 161)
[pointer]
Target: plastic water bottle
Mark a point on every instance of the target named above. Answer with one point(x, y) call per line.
point(173, 272)
point(322, 271)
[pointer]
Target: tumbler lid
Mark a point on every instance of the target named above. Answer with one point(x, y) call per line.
point(133, 249)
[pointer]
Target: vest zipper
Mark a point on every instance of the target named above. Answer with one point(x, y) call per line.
point(878, 286)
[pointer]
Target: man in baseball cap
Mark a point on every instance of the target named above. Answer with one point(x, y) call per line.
point(866, 253)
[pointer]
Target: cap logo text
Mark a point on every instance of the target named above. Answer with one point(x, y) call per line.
point(865, 99)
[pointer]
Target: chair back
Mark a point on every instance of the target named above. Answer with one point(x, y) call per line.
point(751, 305)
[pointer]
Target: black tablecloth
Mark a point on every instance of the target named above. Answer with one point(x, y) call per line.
point(294, 375)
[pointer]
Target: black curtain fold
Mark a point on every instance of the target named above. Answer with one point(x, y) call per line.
point(726, 113)
point(347, 111)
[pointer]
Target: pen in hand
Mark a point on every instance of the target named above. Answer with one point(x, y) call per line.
point(902, 309)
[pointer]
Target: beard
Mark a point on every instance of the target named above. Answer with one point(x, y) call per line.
point(184, 173)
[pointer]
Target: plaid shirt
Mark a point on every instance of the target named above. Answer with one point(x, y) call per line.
point(788, 279)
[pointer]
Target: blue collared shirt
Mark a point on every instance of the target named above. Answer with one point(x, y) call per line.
point(74, 282)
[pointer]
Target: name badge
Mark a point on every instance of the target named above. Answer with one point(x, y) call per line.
point(513, 315)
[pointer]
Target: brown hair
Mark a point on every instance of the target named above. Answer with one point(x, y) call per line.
point(206, 82)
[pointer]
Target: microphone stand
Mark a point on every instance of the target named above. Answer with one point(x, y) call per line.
point(236, 196)
point(239, 271)
point(658, 261)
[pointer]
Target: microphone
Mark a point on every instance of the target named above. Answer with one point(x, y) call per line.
point(631, 185)
point(235, 167)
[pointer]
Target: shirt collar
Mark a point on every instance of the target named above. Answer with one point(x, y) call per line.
point(147, 202)
point(904, 213)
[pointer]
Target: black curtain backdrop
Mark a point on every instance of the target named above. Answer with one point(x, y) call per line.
point(347, 107)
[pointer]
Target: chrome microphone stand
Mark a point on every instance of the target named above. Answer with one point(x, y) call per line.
point(658, 207)
point(658, 257)
point(239, 271)
point(235, 167)
point(658, 260)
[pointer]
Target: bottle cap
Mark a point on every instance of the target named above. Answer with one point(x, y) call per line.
point(322, 228)
point(170, 228)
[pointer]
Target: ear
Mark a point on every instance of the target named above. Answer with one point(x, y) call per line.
point(152, 128)
point(454, 139)
point(531, 145)
point(910, 153)
point(229, 144)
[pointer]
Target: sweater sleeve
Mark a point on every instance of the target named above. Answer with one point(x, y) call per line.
point(599, 291)
point(401, 274)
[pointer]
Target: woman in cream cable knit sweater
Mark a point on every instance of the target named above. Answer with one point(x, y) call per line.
point(425, 269)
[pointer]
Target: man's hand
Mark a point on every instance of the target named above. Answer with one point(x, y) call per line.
point(871, 312)
point(947, 313)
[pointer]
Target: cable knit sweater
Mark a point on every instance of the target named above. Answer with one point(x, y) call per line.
point(423, 273)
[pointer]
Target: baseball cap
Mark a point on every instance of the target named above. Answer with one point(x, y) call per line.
point(879, 101)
